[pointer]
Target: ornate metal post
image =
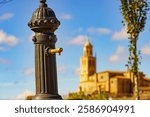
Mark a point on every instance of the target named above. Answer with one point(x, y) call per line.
point(44, 23)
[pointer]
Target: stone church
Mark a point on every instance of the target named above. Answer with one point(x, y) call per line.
point(115, 83)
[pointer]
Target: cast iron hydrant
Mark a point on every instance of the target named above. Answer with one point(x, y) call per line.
point(44, 23)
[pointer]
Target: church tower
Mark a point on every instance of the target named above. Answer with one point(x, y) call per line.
point(87, 62)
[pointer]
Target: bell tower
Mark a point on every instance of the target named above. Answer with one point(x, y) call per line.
point(87, 62)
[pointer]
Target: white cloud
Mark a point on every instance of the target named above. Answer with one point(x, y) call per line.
point(4, 61)
point(121, 35)
point(77, 71)
point(2, 49)
point(79, 30)
point(66, 16)
point(6, 16)
point(23, 95)
point(9, 40)
point(146, 49)
point(28, 71)
point(118, 56)
point(31, 36)
point(103, 31)
point(78, 40)
point(62, 68)
point(6, 84)
point(9, 84)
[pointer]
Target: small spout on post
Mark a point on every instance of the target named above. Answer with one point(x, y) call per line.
point(56, 50)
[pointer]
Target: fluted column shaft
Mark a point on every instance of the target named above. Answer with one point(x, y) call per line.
point(45, 67)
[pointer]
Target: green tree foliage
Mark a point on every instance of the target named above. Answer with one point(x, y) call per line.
point(134, 18)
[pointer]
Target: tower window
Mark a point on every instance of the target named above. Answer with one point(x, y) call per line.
point(96, 79)
point(90, 62)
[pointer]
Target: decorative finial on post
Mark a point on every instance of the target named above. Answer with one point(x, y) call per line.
point(43, 3)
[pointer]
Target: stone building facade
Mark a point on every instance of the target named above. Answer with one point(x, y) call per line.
point(115, 83)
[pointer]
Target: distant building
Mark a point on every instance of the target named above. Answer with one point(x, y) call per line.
point(115, 83)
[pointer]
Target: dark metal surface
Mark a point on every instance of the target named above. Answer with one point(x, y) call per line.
point(44, 19)
point(44, 23)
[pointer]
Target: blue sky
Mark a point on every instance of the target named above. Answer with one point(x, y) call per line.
point(96, 20)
